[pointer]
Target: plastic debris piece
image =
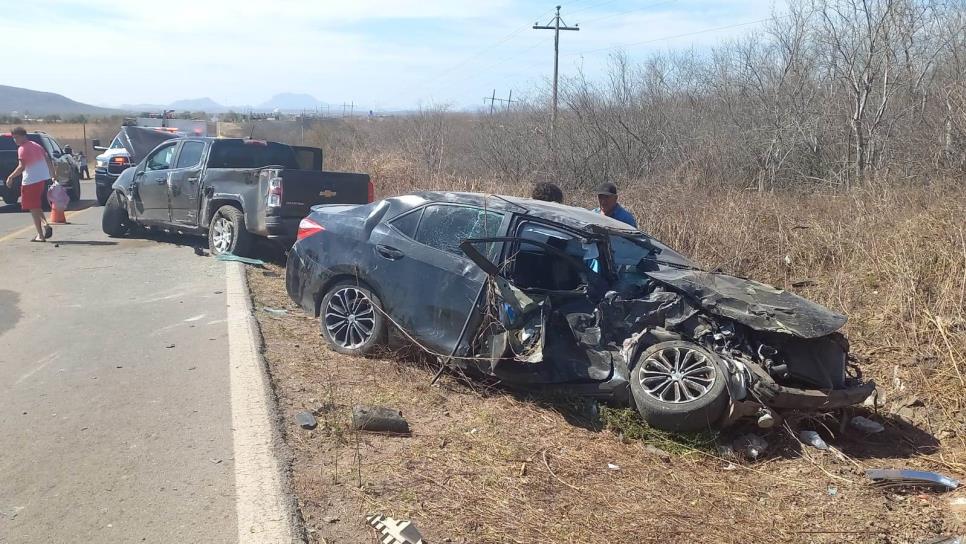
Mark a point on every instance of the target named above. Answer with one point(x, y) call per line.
point(911, 478)
point(813, 439)
point(277, 312)
point(246, 260)
point(752, 445)
point(379, 419)
point(832, 491)
point(612, 466)
point(395, 531)
point(306, 420)
point(866, 425)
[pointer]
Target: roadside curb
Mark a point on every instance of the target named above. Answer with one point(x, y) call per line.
point(266, 508)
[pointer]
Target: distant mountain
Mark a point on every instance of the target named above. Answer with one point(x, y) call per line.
point(197, 104)
point(290, 102)
point(29, 102)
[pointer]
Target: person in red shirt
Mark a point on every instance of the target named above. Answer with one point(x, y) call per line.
point(37, 167)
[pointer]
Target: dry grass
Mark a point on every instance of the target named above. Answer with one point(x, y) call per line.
point(498, 467)
point(72, 134)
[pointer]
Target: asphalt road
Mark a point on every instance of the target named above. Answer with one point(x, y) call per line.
point(115, 411)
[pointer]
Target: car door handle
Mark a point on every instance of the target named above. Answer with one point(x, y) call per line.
point(192, 180)
point(389, 252)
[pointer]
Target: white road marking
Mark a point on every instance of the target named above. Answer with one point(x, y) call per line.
point(195, 318)
point(43, 363)
point(263, 508)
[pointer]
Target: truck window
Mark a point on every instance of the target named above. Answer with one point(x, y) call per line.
point(161, 158)
point(190, 154)
point(250, 154)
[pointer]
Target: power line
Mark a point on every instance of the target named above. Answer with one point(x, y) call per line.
point(649, 6)
point(472, 56)
point(665, 38)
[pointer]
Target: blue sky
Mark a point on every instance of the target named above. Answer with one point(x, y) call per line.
point(380, 54)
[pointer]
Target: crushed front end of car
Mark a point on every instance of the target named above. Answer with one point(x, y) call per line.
point(690, 349)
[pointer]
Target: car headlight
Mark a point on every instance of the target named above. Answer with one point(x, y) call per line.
point(101, 163)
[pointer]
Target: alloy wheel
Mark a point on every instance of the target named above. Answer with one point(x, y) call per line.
point(223, 234)
point(677, 375)
point(350, 318)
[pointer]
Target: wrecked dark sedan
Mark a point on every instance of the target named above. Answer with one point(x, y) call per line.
point(560, 299)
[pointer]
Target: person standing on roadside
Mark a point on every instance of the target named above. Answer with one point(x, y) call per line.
point(82, 161)
point(607, 199)
point(36, 167)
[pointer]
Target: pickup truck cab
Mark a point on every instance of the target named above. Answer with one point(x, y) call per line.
point(229, 189)
point(120, 155)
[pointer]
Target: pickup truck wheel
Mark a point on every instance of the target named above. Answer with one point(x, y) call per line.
point(679, 386)
point(103, 193)
point(115, 221)
point(351, 319)
point(227, 233)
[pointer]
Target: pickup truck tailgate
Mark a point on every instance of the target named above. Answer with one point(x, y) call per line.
point(302, 189)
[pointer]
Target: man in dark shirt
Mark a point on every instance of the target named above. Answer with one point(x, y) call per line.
point(607, 198)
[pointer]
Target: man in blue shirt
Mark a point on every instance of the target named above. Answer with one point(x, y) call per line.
point(607, 198)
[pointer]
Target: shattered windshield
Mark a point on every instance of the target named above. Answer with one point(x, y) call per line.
point(637, 254)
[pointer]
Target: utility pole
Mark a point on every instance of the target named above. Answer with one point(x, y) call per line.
point(493, 100)
point(555, 26)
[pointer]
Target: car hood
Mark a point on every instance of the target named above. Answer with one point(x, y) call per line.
point(756, 305)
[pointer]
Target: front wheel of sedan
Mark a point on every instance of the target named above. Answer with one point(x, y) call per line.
point(351, 319)
point(679, 386)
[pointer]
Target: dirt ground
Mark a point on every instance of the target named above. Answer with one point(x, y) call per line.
point(490, 466)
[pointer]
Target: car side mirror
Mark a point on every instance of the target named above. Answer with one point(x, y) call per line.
point(96, 142)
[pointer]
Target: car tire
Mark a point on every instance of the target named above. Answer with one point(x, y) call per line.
point(679, 386)
point(115, 221)
point(227, 233)
point(351, 319)
point(102, 193)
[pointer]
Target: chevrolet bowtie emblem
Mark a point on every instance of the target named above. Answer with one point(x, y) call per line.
point(328, 193)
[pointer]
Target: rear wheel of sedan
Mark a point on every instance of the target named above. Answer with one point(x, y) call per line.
point(679, 386)
point(351, 319)
point(227, 232)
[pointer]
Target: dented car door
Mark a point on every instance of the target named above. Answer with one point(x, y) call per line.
point(542, 325)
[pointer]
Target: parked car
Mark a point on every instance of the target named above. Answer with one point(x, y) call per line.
point(229, 189)
point(542, 295)
point(64, 164)
point(126, 149)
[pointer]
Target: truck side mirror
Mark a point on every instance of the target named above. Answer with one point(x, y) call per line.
point(96, 142)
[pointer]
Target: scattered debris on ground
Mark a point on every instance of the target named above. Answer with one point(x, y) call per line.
point(900, 478)
point(379, 419)
point(813, 439)
point(306, 420)
point(395, 532)
point(866, 425)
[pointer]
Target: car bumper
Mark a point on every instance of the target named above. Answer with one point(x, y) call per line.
point(300, 280)
point(103, 177)
point(282, 229)
point(789, 398)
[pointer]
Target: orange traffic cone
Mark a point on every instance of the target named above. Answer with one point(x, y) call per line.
point(57, 214)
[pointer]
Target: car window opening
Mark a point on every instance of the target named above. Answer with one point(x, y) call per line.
point(534, 267)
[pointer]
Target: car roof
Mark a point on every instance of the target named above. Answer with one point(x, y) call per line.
point(570, 216)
